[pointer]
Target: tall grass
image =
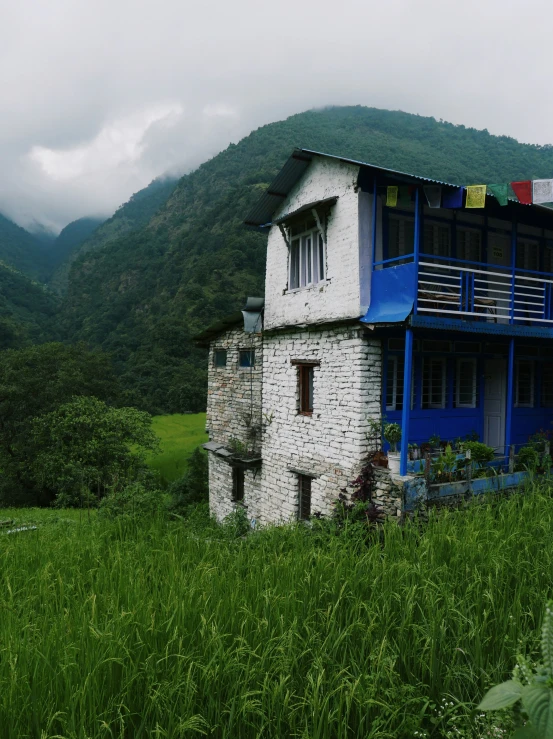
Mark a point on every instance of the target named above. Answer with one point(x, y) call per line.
point(114, 629)
point(179, 434)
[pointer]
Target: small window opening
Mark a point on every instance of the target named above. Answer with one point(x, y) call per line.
point(304, 503)
point(247, 358)
point(220, 358)
point(465, 384)
point(237, 484)
point(434, 383)
point(307, 258)
point(305, 387)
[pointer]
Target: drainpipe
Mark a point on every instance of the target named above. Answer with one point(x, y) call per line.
point(406, 412)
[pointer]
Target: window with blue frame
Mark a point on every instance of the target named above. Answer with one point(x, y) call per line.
point(466, 386)
point(437, 239)
point(401, 236)
point(469, 244)
point(524, 383)
point(547, 385)
point(434, 382)
point(395, 367)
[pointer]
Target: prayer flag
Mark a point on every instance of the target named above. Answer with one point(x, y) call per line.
point(500, 193)
point(391, 196)
point(433, 195)
point(453, 198)
point(523, 191)
point(476, 196)
point(404, 196)
point(542, 191)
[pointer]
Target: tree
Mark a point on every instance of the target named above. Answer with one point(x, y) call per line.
point(85, 448)
point(34, 381)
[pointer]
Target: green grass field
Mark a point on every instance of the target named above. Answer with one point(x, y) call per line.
point(179, 435)
point(177, 629)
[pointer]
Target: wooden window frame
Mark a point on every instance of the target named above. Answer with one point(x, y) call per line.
point(238, 480)
point(306, 381)
point(304, 497)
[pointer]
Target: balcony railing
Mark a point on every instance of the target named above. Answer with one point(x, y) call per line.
point(486, 292)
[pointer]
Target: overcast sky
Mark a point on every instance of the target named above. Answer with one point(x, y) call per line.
point(98, 98)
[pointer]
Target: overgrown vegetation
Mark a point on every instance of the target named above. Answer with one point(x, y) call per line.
point(139, 626)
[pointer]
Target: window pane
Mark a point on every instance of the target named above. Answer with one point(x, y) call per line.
point(220, 357)
point(547, 385)
point(408, 236)
point(309, 260)
point(304, 507)
point(303, 264)
point(468, 245)
point(393, 238)
point(321, 258)
point(247, 357)
point(237, 484)
point(466, 383)
point(525, 384)
point(295, 265)
point(391, 384)
point(433, 383)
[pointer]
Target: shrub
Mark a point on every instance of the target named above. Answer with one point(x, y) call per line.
point(392, 434)
point(136, 500)
point(480, 453)
point(528, 458)
point(193, 486)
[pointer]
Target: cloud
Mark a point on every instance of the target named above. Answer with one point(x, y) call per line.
point(99, 98)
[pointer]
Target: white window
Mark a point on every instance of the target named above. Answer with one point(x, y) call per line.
point(527, 254)
point(469, 244)
point(433, 383)
point(307, 256)
point(524, 383)
point(437, 240)
point(465, 384)
point(401, 236)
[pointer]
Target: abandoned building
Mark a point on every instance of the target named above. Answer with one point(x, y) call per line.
point(367, 305)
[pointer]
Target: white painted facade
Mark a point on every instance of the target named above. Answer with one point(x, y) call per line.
point(318, 324)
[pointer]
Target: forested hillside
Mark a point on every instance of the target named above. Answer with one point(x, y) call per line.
point(22, 250)
point(132, 215)
point(27, 311)
point(144, 296)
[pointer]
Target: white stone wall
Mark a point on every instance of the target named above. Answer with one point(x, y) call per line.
point(234, 393)
point(338, 297)
point(220, 489)
point(332, 443)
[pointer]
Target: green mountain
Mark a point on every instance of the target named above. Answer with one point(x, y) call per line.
point(129, 217)
point(27, 310)
point(72, 237)
point(22, 250)
point(143, 295)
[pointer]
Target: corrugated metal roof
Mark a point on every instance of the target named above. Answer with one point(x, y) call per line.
point(262, 213)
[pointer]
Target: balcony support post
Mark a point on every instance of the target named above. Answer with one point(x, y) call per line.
point(510, 393)
point(417, 244)
point(513, 269)
point(406, 412)
point(374, 224)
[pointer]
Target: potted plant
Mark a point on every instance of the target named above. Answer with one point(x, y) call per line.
point(392, 434)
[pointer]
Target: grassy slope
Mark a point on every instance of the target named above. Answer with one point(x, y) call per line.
point(179, 436)
point(165, 629)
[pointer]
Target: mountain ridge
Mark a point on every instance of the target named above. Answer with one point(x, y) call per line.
point(144, 295)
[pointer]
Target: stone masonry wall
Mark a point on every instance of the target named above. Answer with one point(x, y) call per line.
point(332, 443)
point(220, 488)
point(233, 392)
point(338, 297)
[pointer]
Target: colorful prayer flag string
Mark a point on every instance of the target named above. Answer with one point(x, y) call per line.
point(523, 191)
point(476, 196)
